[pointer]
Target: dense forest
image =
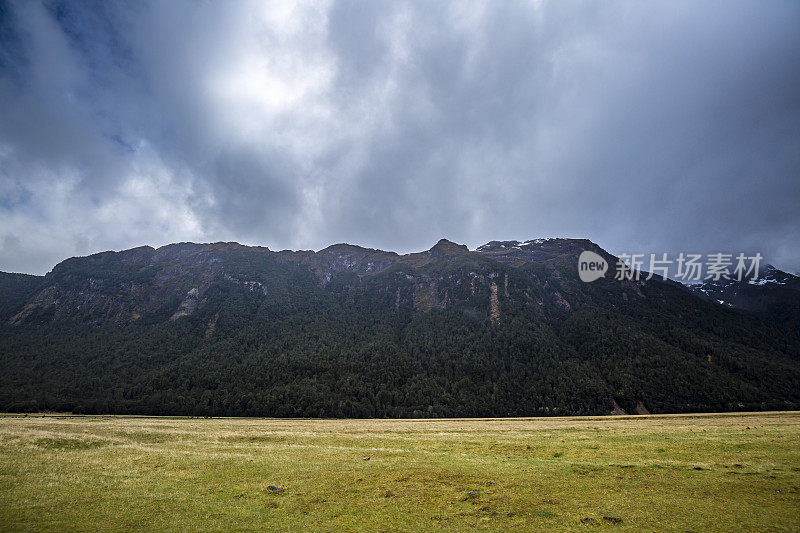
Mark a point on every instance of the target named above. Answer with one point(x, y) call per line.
point(508, 330)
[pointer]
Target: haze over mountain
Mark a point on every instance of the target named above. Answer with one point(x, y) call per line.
point(505, 330)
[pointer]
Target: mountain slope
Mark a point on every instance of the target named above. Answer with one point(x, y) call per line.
point(15, 290)
point(775, 295)
point(506, 330)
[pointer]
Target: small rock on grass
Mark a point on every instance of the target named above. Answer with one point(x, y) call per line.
point(273, 488)
point(612, 519)
point(471, 495)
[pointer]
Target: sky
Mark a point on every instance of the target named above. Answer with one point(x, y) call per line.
point(643, 126)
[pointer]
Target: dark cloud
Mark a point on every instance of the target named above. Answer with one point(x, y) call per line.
point(670, 127)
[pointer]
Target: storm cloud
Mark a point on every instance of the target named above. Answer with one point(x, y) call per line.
point(646, 127)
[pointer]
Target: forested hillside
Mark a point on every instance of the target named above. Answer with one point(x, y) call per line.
point(506, 330)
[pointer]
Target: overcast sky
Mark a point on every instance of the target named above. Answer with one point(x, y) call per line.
point(643, 126)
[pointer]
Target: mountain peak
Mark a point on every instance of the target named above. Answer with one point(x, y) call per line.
point(446, 247)
point(539, 250)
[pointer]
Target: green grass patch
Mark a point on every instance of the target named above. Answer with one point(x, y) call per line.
point(70, 444)
point(673, 473)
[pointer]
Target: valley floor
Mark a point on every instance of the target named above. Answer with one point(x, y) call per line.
point(670, 472)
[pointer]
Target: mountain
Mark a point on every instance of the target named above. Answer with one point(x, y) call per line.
point(774, 295)
point(507, 329)
point(15, 289)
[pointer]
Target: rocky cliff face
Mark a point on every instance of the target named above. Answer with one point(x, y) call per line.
point(122, 287)
point(172, 282)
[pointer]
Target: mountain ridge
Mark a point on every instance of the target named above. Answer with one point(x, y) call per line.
point(506, 329)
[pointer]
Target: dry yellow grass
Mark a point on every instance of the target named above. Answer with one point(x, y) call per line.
point(687, 472)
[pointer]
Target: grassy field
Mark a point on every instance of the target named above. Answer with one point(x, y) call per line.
point(697, 473)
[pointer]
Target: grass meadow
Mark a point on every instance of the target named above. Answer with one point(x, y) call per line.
point(671, 472)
